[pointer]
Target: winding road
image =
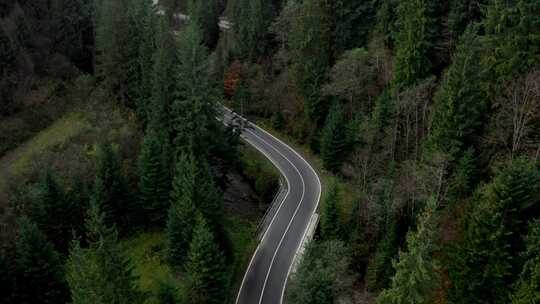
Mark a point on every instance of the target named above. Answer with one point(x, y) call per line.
point(266, 276)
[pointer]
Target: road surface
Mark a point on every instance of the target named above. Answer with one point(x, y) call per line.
point(266, 276)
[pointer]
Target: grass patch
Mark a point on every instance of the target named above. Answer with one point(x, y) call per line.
point(243, 243)
point(147, 253)
point(60, 132)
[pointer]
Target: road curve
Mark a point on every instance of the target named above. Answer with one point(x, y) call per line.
point(266, 276)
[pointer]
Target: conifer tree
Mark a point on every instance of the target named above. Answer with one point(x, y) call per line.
point(100, 274)
point(309, 43)
point(147, 48)
point(352, 20)
point(182, 210)
point(527, 287)
point(192, 113)
point(334, 139)
point(251, 23)
point(154, 181)
point(463, 13)
point(416, 270)
point(416, 31)
point(110, 191)
point(38, 268)
point(205, 13)
point(330, 219)
point(205, 267)
point(52, 212)
point(483, 261)
point(460, 103)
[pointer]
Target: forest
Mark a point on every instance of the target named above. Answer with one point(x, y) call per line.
point(119, 185)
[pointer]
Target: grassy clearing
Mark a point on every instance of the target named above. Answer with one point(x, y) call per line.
point(147, 253)
point(69, 126)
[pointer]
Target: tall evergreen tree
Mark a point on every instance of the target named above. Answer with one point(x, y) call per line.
point(310, 51)
point(484, 261)
point(154, 180)
point(352, 21)
point(38, 268)
point(527, 288)
point(100, 274)
point(417, 28)
point(463, 13)
point(334, 139)
point(110, 190)
point(52, 212)
point(416, 270)
point(182, 210)
point(330, 219)
point(252, 20)
point(192, 113)
point(205, 267)
point(205, 13)
point(460, 104)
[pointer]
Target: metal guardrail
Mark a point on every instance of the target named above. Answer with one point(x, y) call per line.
point(271, 211)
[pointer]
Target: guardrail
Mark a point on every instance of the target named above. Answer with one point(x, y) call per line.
point(272, 209)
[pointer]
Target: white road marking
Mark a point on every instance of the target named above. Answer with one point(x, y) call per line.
point(294, 215)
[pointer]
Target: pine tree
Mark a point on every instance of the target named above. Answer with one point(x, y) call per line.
point(192, 116)
point(512, 40)
point(38, 268)
point(527, 288)
point(323, 274)
point(352, 20)
point(416, 31)
point(205, 13)
point(182, 210)
point(205, 267)
point(334, 139)
point(310, 51)
point(147, 26)
point(463, 13)
point(330, 219)
point(252, 20)
point(416, 270)
point(100, 274)
point(483, 262)
point(154, 180)
point(52, 212)
point(110, 190)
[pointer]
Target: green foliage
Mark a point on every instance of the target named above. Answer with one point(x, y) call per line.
point(379, 270)
point(310, 53)
point(416, 270)
point(460, 104)
point(512, 39)
point(110, 190)
point(205, 14)
point(205, 267)
point(38, 268)
point(322, 276)
point(527, 288)
point(385, 21)
point(192, 114)
point(100, 274)
point(484, 261)
point(154, 177)
point(417, 28)
point(53, 212)
point(330, 219)
point(182, 210)
point(463, 13)
point(74, 25)
point(334, 139)
point(252, 20)
point(352, 20)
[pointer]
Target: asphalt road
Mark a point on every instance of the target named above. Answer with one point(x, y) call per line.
point(266, 276)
